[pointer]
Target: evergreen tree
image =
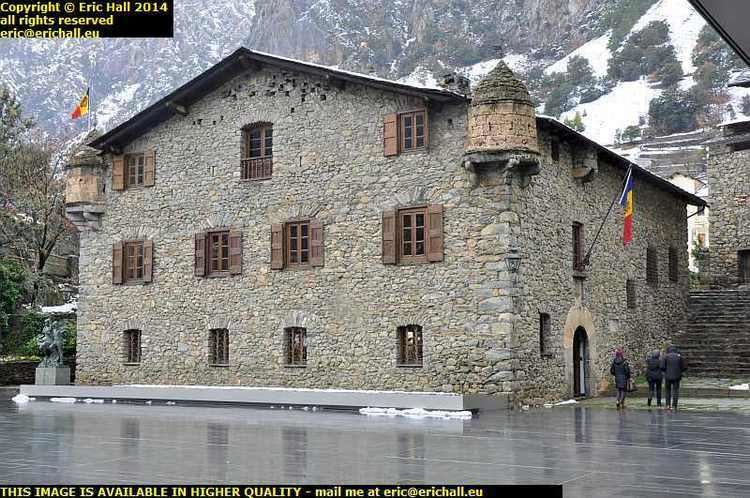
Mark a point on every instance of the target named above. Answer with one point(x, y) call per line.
point(746, 105)
point(576, 123)
point(673, 112)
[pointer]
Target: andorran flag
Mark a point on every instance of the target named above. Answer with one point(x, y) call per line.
point(82, 108)
point(626, 201)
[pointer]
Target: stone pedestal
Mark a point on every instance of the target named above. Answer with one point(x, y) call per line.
point(52, 376)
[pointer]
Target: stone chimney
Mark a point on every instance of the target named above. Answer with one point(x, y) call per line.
point(455, 82)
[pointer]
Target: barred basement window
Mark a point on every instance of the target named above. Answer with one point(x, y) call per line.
point(296, 347)
point(218, 344)
point(545, 335)
point(257, 151)
point(652, 266)
point(409, 346)
point(674, 269)
point(136, 169)
point(131, 346)
point(630, 293)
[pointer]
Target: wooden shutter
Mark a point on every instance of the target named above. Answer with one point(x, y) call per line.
point(200, 254)
point(149, 160)
point(426, 128)
point(435, 247)
point(148, 260)
point(235, 252)
point(317, 244)
point(118, 172)
point(117, 263)
point(390, 135)
point(389, 237)
point(277, 246)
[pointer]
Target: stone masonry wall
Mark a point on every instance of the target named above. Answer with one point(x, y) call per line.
point(328, 162)
point(548, 207)
point(729, 177)
point(502, 125)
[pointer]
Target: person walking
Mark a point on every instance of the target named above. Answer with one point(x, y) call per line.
point(654, 376)
point(621, 370)
point(673, 366)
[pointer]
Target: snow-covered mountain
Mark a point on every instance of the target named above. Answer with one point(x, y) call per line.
point(411, 40)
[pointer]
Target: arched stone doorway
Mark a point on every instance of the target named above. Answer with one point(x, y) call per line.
point(580, 362)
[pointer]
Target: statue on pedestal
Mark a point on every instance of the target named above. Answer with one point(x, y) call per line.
point(51, 344)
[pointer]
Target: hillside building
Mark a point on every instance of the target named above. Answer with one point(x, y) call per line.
point(279, 223)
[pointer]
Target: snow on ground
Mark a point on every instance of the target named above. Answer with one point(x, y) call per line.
point(88, 401)
point(685, 24)
point(421, 76)
point(250, 388)
point(63, 308)
point(596, 51)
point(413, 413)
point(63, 400)
point(21, 399)
point(740, 387)
point(615, 111)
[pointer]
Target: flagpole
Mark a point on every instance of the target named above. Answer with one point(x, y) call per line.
point(596, 237)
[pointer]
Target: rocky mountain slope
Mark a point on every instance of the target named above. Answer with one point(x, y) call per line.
point(412, 40)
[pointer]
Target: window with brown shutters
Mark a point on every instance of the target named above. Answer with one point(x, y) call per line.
point(218, 253)
point(630, 295)
point(297, 244)
point(295, 346)
point(652, 266)
point(257, 152)
point(133, 170)
point(674, 266)
point(578, 247)
point(413, 235)
point(409, 346)
point(405, 132)
point(218, 345)
point(131, 346)
point(132, 262)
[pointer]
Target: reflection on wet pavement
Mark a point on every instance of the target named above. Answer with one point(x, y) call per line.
point(594, 452)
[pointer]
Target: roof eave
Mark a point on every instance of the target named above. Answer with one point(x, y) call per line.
point(620, 161)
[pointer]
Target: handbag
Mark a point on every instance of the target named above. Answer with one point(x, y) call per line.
point(631, 386)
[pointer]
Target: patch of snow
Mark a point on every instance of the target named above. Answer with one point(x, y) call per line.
point(88, 401)
point(740, 387)
point(595, 51)
point(414, 413)
point(685, 24)
point(420, 77)
point(617, 110)
point(567, 402)
point(63, 400)
point(114, 401)
point(516, 62)
point(171, 403)
point(149, 402)
point(71, 307)
point(113, 103)
point(21, 399)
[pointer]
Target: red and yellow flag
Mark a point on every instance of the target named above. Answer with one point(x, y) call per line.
point(82, 108)
point(626, 201)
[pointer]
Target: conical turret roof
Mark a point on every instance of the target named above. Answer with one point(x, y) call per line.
point(499, 85)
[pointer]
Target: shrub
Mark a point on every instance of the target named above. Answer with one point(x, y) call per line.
point(13, 278)
point(24, 340)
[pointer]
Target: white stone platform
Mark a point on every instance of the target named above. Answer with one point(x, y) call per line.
point(330, 398)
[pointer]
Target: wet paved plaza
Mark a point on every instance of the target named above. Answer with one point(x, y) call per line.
point(592, 451)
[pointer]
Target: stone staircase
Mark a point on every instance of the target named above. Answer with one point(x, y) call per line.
point(716, 338)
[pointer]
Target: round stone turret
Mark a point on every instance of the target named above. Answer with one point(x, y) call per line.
point(84, 188)
point(502, 122)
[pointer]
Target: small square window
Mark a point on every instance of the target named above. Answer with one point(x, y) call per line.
point(652, 266)
point(409, 346)
point(132, 346)
point(219, 347)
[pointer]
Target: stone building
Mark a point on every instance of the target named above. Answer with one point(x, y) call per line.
point(729, 177)
point(279, 223)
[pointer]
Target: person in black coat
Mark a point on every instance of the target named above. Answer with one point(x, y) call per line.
point(621, 370)
point(654, 375)
point(673, 366)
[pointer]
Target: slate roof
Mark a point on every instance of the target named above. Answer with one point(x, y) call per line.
point(500, 85)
